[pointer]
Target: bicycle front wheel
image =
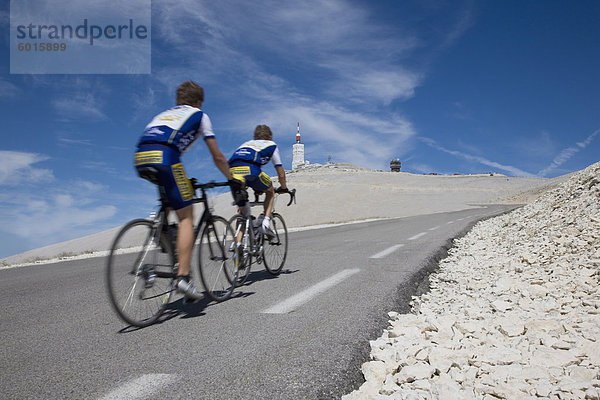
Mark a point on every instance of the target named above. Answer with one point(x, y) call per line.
point(275, 248)
point(215, 258)
point(139, 273)
point(241, 257)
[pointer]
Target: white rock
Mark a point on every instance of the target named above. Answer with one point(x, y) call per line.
point(375, 371)
point(502, 305)
point(501, 356)
point(592, 394)
point(549, 358)
point(543, 388)
point(592, 349)
point(578, 373)
point(535, 373)
point(415, 372)
point(543, 325)
point(511, 327)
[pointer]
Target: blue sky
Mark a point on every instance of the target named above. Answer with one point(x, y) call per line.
point(446, 86)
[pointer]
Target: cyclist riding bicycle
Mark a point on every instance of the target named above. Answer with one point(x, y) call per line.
point(157, 159)
point(246, 163)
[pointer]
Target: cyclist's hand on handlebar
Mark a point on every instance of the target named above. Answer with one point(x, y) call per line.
point(292, 193)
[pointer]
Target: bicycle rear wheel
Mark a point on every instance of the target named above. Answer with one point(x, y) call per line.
point(139, 273)
point(275, 249)
point(215, 259)
point(244, 261)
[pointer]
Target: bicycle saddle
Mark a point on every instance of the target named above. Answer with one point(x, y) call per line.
point(148, 173)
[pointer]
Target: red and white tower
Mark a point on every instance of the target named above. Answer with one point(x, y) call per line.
point(298, 151)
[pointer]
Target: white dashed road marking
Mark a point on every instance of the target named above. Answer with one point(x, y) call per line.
point(387, 251)
point(418, 235)
point(141, 388)
point(292, 303)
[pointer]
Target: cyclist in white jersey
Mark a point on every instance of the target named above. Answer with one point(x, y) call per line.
point(245, 165)
point(157, 159)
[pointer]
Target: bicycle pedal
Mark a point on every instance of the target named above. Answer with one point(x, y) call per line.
point(150, 281)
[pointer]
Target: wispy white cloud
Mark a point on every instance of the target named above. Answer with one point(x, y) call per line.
point(465, 19)
point(300, 35)
point(421, 168)
point(76, 97)
point(68, 209)
point(18, 168)
point(566, 154)
point(82, 142)
point(346, 68)
point(144, 103)
point(8, 89)
point(534, 146)
point(347, 136)
point(478, 159)
point(62, 219)
point(100, 166)
point(79, 106)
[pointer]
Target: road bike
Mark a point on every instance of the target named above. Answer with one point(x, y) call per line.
point(253, 245)
point(142, 264)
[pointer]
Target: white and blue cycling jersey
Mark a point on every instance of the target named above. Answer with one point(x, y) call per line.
point(258, 152)
point(178, 127)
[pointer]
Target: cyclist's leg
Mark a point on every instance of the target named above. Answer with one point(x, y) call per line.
point(262, 183)
point(185, 238)
point(180, 194)
point(240, 172)
point(269, 198)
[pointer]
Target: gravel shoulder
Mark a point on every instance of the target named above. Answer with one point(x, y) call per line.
point(513, 311)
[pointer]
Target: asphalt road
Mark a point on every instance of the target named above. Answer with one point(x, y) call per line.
point(300, 335)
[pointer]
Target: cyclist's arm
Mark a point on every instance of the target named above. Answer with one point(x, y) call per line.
point(218, 157)
point(281, 176)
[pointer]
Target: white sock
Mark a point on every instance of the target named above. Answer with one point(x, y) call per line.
point(266, 223)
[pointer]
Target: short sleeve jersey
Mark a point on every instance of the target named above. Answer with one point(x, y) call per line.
point(179, 127)
point(258, 152)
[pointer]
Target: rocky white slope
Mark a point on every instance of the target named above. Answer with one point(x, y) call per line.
point(365, 194)
point(513, 312)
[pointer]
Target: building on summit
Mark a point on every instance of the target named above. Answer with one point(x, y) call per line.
point(298, 152)
point(395, 165)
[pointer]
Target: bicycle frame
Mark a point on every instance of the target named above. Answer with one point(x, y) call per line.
point(161, 220)
point(253, 244)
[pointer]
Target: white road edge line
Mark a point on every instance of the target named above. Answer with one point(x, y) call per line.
point(141, 388)
point(292, 303)
point(418, 235)
point(387, 251)
point(434, 228)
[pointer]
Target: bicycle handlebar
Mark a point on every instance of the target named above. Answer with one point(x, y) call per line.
point(292, 194)
point(208, 185)
point(212, 184)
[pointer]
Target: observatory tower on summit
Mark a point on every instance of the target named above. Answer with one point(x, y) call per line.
point(298, 151)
